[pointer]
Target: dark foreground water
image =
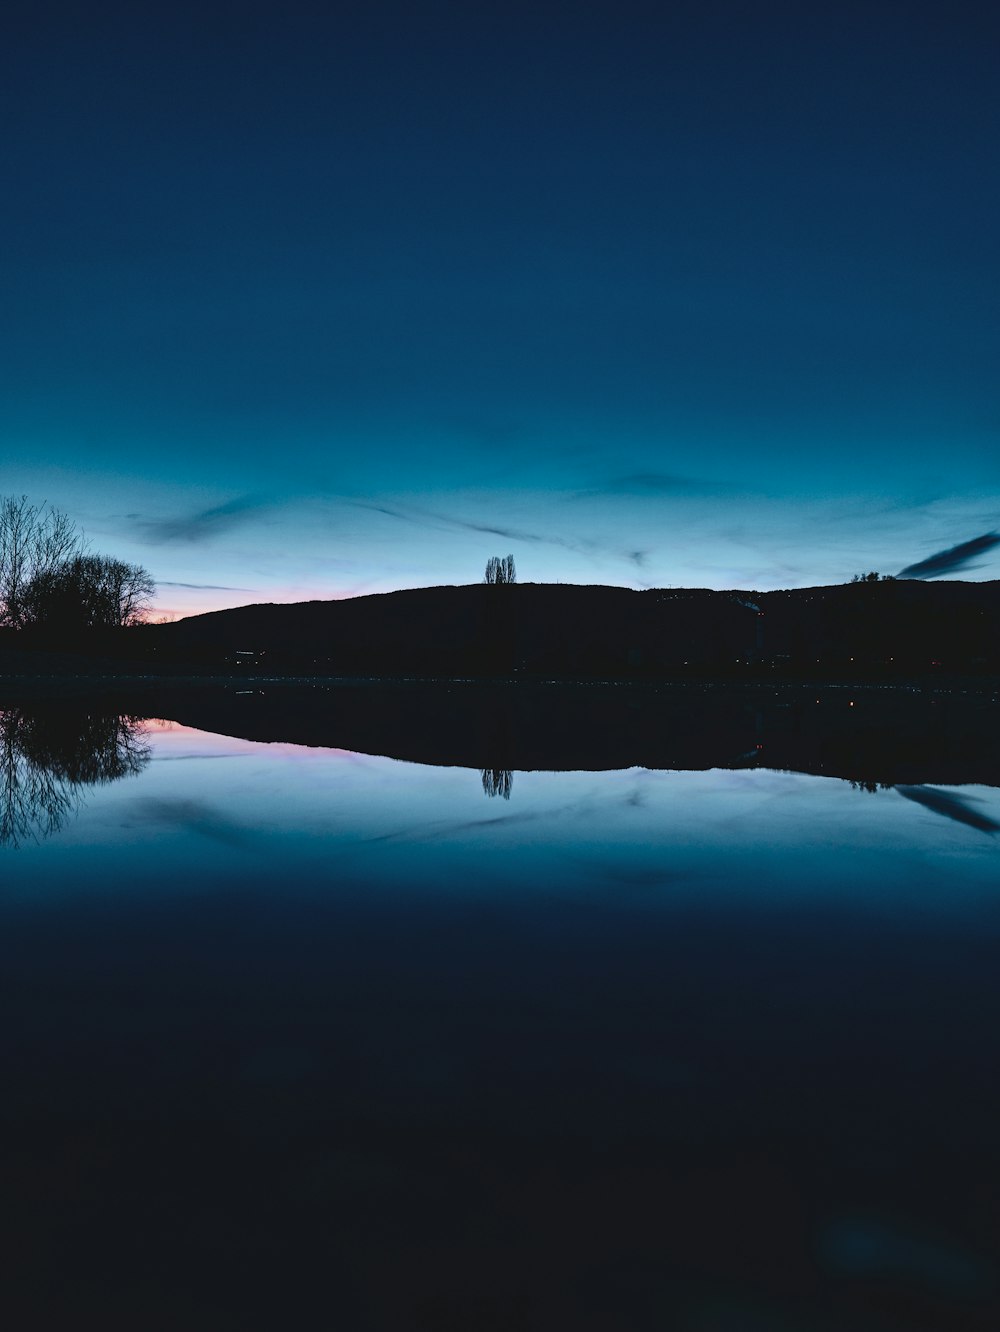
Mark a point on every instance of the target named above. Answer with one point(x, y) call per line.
point(298, 1037)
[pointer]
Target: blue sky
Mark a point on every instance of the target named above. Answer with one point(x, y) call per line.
point(300, 302)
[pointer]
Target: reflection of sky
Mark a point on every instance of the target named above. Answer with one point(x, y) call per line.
point(210, 812)
point(752, 1012)
point(698, 295)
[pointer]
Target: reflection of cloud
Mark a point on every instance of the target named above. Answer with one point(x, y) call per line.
point(432, 832)
point(194, 816)
point(443, 828)
point(183, 758)
point(950, 806)
point(952, 559)
point(204, 525)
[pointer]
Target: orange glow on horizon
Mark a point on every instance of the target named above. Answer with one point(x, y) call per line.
point(275, 596)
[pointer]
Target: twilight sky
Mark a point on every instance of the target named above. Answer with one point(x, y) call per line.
point(307, 300)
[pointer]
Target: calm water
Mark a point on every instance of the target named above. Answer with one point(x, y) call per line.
point(303, 1037)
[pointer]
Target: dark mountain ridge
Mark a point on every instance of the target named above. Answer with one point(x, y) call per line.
point(555, 630)
point(894, 630)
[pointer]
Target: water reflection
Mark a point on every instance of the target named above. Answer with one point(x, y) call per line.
point(959, 808)
point(48, 757)
point(950, 806)
point(880, 736)
point(497, 781)
point(645, 1047)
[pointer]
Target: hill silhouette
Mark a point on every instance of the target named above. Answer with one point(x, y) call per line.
point(554, 630)
point(895, 629)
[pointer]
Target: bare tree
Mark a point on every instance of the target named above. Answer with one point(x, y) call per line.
point(500, 569)
point(129, 590)
point(34, 539)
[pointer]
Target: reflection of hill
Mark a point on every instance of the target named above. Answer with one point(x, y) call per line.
point(49, 754)
point(865, 734)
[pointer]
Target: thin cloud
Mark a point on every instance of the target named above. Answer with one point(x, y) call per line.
point(204, 587)
point(204, 525)
point(951, 560)
point(384, 509)
point(518, 534)
point(428, 518)
point(444, 522)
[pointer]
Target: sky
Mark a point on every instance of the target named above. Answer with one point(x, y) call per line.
point(316, 300)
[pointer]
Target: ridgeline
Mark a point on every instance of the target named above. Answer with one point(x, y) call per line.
point(891, 630)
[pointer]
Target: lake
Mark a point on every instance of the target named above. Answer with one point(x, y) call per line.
point(301, 1035)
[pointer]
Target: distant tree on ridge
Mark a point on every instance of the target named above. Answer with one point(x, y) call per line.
point(500, 569)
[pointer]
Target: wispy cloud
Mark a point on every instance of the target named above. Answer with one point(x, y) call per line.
point(954, 558)
point(519, 534)
point(204, 587)
point(204, 525)
point(445, 522)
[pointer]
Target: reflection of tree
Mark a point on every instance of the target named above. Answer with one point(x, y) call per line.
point(497, 781)
point(46, 758)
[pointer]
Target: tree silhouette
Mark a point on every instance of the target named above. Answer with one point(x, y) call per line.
point(34, 539)
point(500, 569)
point(47, 577)
point(88, 591)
